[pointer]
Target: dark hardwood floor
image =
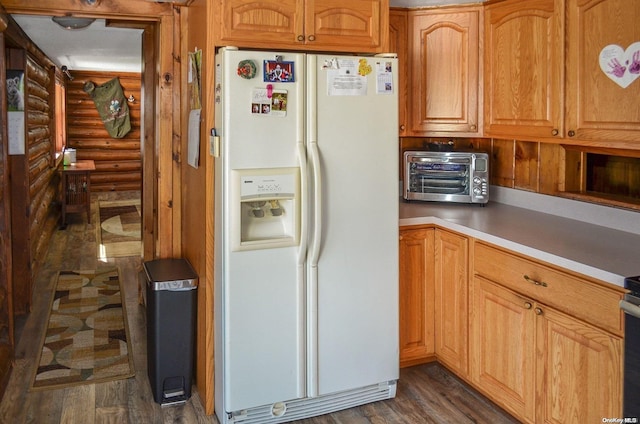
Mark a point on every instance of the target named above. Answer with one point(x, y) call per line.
point(426, 394)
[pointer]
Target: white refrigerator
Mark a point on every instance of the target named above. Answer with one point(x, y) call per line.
point(306, 234)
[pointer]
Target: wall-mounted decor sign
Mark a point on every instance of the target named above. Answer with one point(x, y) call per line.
point(15, 112)
point(622, 66)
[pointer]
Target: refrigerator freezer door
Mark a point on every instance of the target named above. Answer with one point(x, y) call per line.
point(354, 308)
point(260, 349)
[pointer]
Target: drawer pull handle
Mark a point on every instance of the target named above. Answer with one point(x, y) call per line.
point(538, 311)
point(528, 305)
point(536, 282)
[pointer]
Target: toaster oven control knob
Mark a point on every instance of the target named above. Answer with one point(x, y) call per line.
point(477, 191)
point(477, 180)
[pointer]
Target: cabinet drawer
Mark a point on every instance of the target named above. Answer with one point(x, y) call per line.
point(581, 298)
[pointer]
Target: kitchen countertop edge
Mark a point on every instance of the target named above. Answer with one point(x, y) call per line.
point(559, 241)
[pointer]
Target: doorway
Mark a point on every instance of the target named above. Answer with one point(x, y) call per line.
point(146, 34)
point(151, 25)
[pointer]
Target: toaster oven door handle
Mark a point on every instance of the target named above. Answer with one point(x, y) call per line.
point(465, 161)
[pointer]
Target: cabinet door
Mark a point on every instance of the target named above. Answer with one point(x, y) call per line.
point(502, 347)
point(416, 296)
point(600, 104)
point(360, 25)
point(398, 33)
point(262, 23)
point(451, 297)
point(445, 78)
point(580, 379)
point(523, 65)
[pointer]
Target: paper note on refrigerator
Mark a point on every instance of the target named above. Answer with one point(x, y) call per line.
point(349, 79)
point(384, 77)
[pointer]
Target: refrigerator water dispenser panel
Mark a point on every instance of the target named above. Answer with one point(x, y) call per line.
point(265, 208)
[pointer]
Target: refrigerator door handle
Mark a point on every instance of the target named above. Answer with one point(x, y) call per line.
point(315, 202)
point(302, 256)
point(314, 252)
point(304, 205)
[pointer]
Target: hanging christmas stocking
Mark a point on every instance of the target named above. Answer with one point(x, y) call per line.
point(112, 106)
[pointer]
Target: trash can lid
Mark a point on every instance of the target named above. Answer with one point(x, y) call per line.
point(170, 274)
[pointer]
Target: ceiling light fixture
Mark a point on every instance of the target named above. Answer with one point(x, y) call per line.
point(72, 22)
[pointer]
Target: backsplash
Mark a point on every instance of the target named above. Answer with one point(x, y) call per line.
point(610, 217)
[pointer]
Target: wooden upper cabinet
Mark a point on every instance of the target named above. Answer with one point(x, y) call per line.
point(445, 72)
point(599, 106)
point(267, 21)
point(398, 43)
point(347, 25)
point(523, 65)
point(334, 25)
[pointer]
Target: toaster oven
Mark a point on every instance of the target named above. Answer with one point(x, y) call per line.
point(461, 177)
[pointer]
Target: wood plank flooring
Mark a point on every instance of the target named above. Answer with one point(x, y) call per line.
point(426, 394)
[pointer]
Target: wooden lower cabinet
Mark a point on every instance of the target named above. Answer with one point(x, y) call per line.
point(542, 342)
point(502, 347)
point(451, 309)
point(540, 364)
point(416, 296)
point(433, 298)
point(579, 376)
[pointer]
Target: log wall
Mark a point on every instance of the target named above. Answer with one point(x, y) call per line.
point(118, 160)
point(34, 178)
point(42, 175)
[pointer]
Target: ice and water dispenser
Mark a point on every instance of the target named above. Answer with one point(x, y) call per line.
point(265, 208)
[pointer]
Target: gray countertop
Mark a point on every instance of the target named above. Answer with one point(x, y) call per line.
point(600, 252)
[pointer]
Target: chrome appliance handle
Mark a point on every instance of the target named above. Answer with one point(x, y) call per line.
point(444, 159)
point(630, 308)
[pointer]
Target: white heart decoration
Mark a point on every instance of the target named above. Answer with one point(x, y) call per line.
point(622, 66)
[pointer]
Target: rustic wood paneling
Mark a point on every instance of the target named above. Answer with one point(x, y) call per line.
point(502, 163)
point(118, 160)
point(6, 302)
point(526, 166)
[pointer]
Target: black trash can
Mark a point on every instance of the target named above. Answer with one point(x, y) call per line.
point(171, 317)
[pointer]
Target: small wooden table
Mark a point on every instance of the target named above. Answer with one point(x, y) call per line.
point(76, 187)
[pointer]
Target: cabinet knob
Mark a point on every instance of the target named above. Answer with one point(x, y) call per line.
point(538, 311)
point(312, 37)
point(402, 127)
point(300, 37)
point(554, 131)
point(473, 127)
point(572, 133)
point(528, 305)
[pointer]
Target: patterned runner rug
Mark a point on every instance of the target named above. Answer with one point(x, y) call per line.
point(119, 231)
point(87, 336)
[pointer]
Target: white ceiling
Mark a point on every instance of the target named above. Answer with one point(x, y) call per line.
point(95, 48)
point(116, 49)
